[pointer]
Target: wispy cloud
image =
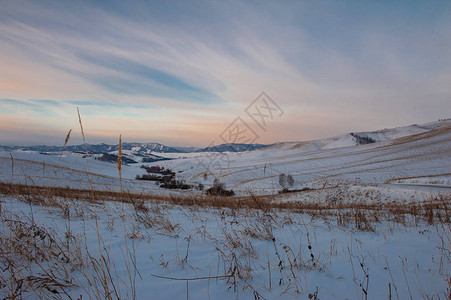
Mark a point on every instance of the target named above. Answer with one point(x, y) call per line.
point(42, 107)
point(133, 77)
point(184, 64)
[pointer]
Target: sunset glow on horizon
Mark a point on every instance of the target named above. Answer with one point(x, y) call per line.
point(179, 72)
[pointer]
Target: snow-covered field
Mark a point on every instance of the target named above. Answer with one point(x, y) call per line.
point(73, 171)
point(163, 251)
point(411, 162)
point(168, 252)
point(422, 152)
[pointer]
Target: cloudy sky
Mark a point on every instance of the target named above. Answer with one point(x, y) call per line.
point(179, 72)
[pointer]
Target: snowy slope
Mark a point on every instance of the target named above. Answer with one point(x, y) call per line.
point(406, 152)
point(401, 155)
point(74, 171)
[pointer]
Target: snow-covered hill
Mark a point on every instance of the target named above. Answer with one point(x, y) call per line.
point(410, 151)
point(409, 159)
point(357, 138)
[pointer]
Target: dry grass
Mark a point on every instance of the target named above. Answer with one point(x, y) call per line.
point(243, 220)
point(362, 214)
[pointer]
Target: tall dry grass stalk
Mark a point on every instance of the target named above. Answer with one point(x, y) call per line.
point(86, 153)
point(49, 186)
point(81, 127)
point(128, 252)
point(67, 139)
point(119, 157)
point(12, 168)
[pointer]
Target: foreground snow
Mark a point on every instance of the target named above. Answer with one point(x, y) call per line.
point(161, 252)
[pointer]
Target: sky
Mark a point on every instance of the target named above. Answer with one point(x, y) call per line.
point(181, 72)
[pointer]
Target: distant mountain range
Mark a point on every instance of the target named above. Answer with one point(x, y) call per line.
point(235, 147)
point(152, 152)
point(139, 149)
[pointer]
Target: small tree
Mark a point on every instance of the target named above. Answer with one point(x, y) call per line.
point(282, 179)
point(218, 189)
point(290, 180)
point(218, 184)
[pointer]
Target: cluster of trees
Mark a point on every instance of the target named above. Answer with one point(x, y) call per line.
point(362, 140)
point(219, 189)
point(166, 178)
point(149, 177)
point(285, 180)
point(158, 170)
point(113, 158)
point(176, 184)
